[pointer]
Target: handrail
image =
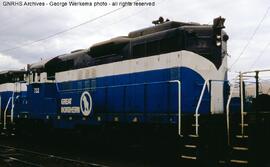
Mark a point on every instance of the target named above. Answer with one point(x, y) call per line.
point(17, 84)
point(197, 108)
point(57, 87)
point(116, 86)
point(228, 113)
point(179, 106)
point(265, 70)
point(5, 114)
point(12, 107)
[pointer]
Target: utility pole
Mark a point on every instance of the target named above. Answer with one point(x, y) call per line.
point(257, 83)
point(242, 102)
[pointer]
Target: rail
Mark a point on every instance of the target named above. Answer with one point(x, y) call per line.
point(197, 108)
point(13, 151)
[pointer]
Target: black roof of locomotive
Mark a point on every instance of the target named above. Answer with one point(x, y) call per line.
point(160, 27)
point(76, 59)
point(83, 57)
point(112, 45)
point(12, 72)
point(39, 66)
point(9, 75)
point(58, 61)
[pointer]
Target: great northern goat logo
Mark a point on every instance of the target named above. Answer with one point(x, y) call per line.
point(86, 103)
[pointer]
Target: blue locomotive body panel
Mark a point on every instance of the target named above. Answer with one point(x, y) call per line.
point(39, 101)
point(149, 91)
point(145, 97)
point(5, 95)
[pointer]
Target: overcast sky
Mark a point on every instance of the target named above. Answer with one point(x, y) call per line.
point(20, 25)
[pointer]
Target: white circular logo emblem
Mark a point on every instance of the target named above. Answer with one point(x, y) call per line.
point(86, 103)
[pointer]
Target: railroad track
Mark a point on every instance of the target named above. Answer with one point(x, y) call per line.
point(18, 157)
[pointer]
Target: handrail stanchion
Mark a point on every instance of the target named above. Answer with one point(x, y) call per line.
point(12, 108)
point(197, 108)
point(228, 114)
point(57, 87)
point(5, 114)
point(179, 106)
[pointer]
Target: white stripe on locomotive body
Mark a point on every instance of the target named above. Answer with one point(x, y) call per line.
point(188, 59)
point(6, 87)
point(10, 87)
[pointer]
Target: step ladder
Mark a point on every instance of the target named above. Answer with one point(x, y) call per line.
point(239, 148)
point(190, 145)
point(237, 131)
point(190, 150)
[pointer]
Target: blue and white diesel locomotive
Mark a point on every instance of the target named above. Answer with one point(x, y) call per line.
point(12, 86)
point(152, 76)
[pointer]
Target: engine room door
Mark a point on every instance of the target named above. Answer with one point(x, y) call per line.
point(217, 96)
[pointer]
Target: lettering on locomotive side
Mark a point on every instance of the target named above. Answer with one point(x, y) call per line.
point(66, 101)
point(70, 110)
point(36, 90)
